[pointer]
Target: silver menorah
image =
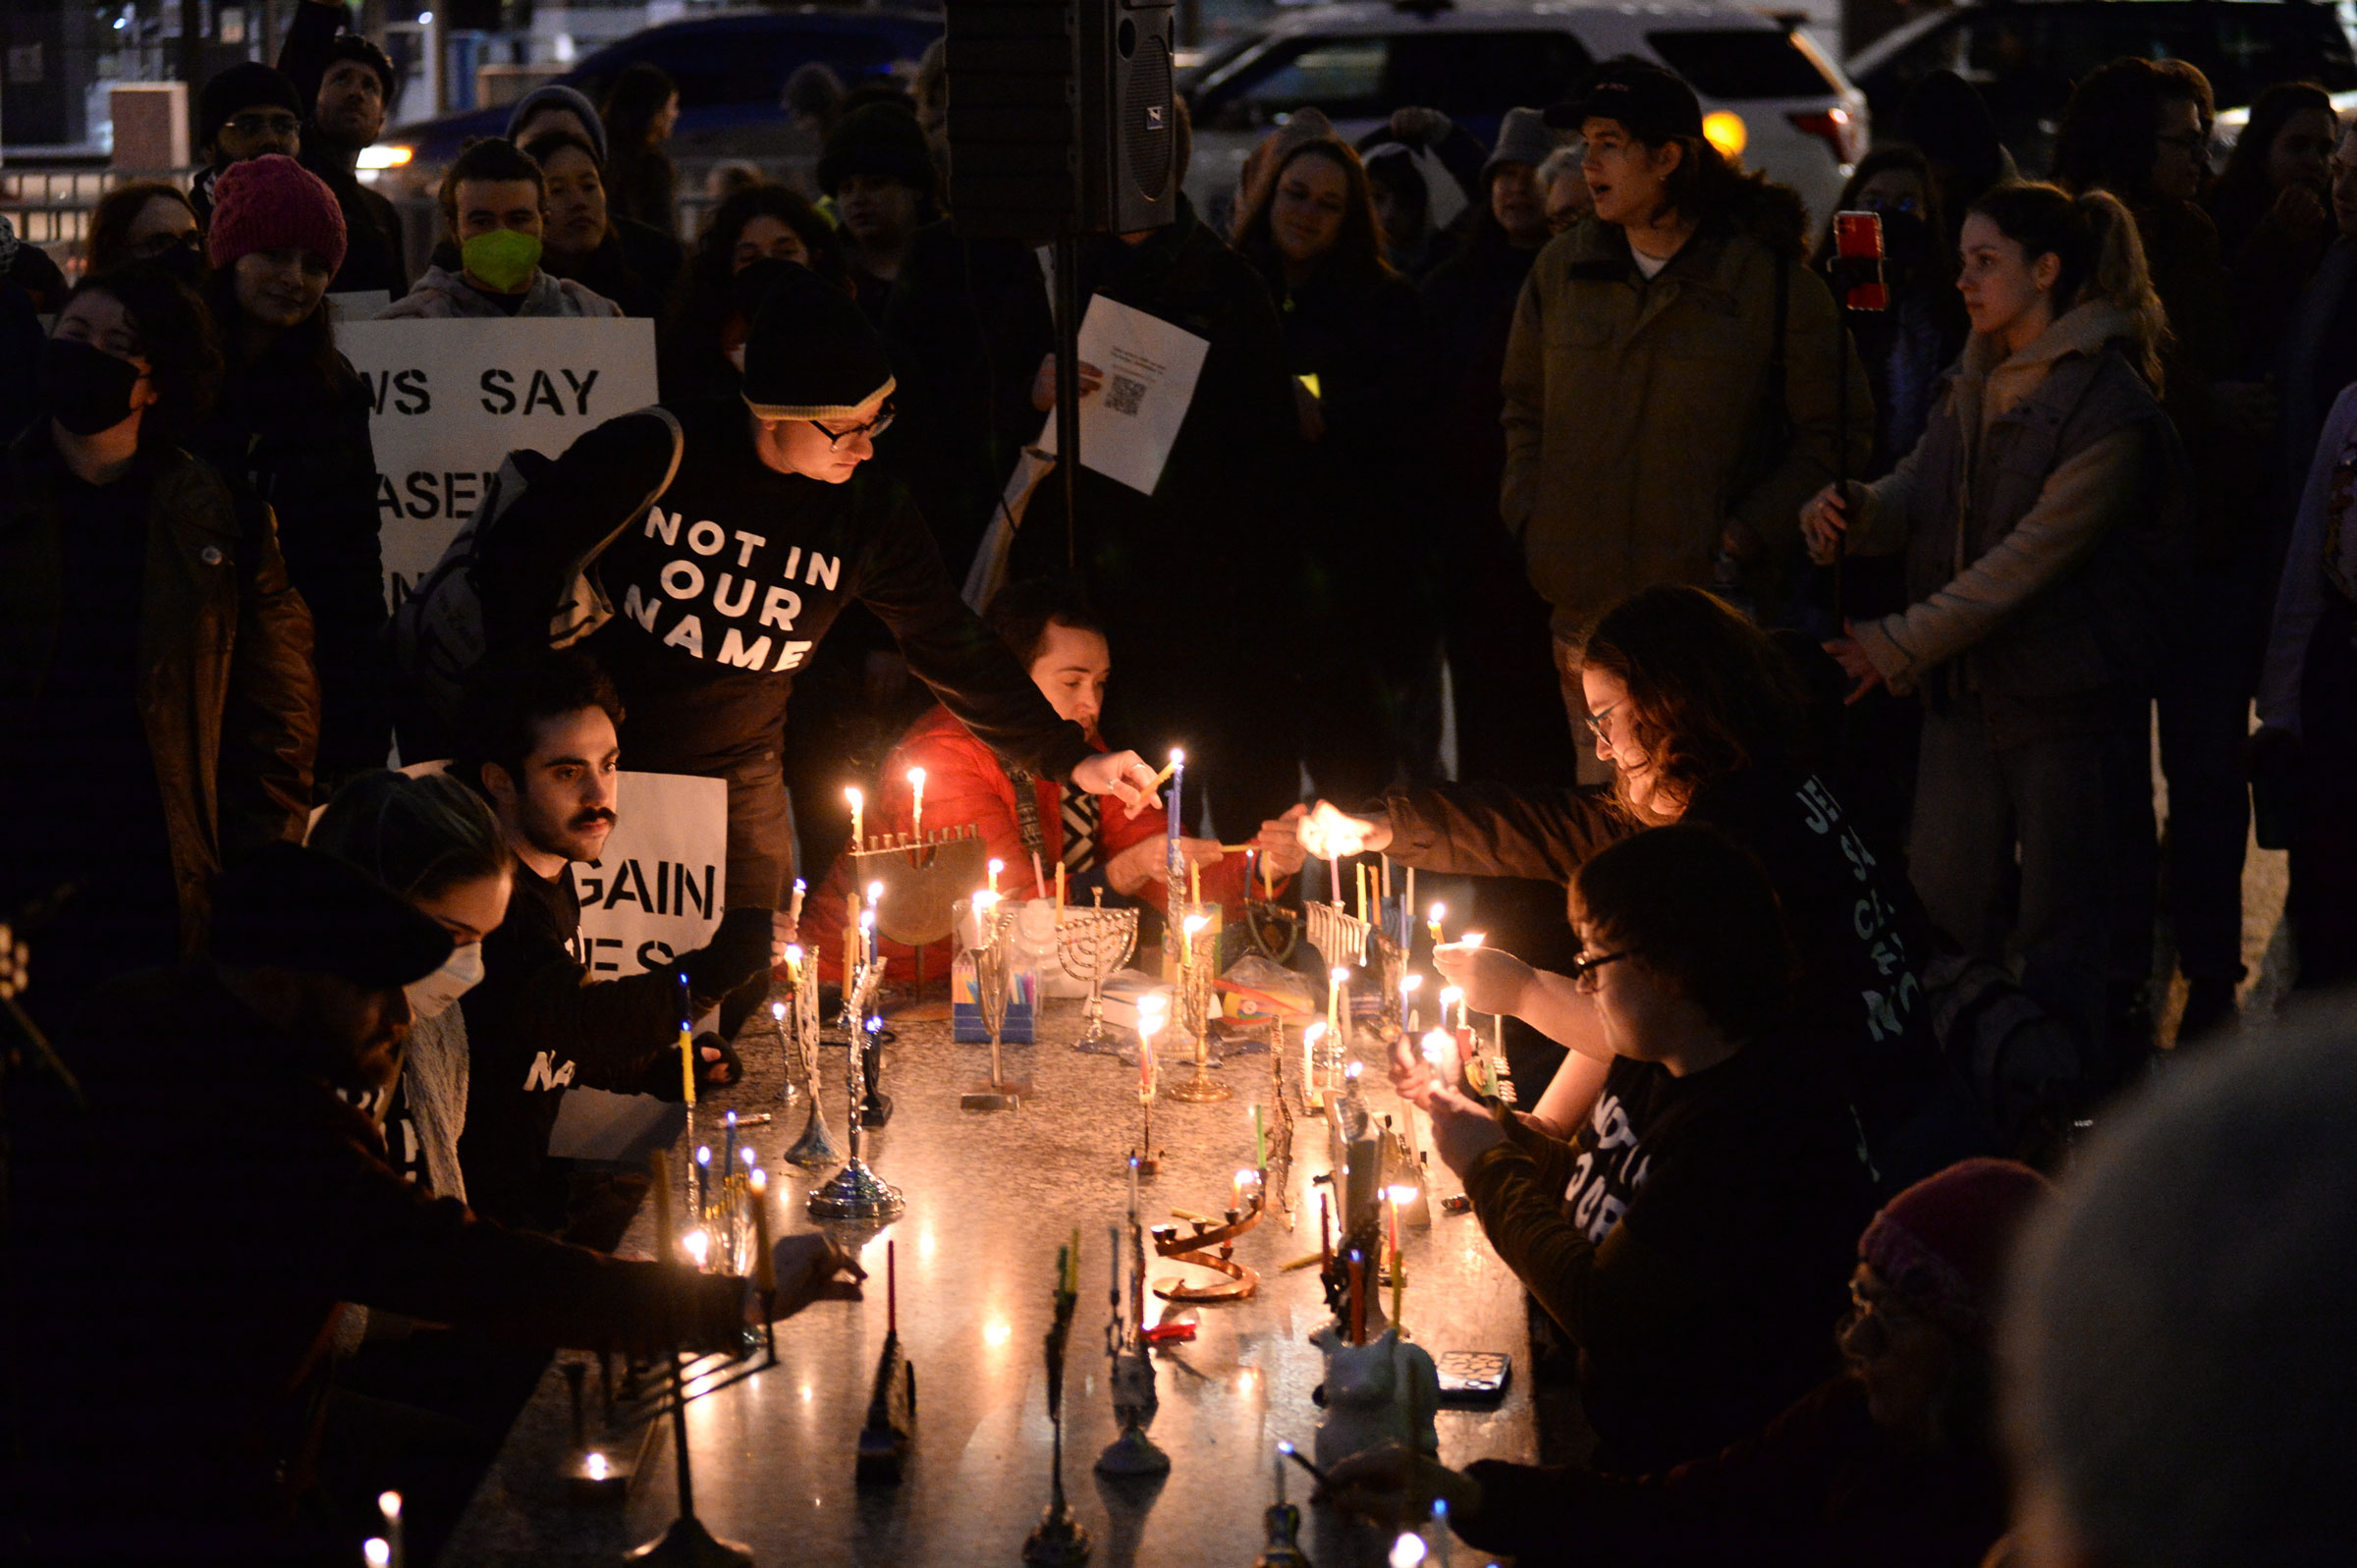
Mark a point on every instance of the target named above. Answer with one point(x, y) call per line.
point(816, 1149)
point(857, 1192)
point(1093, 944)
point(1340, 937)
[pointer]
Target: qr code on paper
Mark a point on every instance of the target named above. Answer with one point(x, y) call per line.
point(1123, 395)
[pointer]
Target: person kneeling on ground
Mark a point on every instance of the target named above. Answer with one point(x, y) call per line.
point(184, 1227)
point(1692, 1237)
point(1065, 648)
point(1890, 1461)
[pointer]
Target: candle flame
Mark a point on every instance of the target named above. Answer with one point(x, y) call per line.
point(867, 919)
point(1408, 1551)
point(703, 1155)
point(1315, 1032)
point(1178, 756)
point(1411, 983)
point(1451, 996)
point(1339, 975)
point(1353, 1070)
point(776, 1009)
point(376, 1553)
point(1401, 1193)
point(875, 892)
point(996, 866)
point(1437, 910)
point(916, 777)
point(793, 952)
point(595, 1466)
point(697, 1244)
point(748, 1156)
point(1471, 938)
point(856, 798)
point(1437, 1046)
point(758, 1181)
point(388, 1503)
point(1194, 924)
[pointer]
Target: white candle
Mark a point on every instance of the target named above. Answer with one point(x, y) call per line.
point(996, 866)
point(858, 803)
point(916, 805)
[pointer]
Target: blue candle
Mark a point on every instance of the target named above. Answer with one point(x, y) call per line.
point(1177, 786)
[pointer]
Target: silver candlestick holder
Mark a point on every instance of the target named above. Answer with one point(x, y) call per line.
point(1134, 1401)
point(999, 1093)
point(1197, 961)
point(855, 1192)
point(1093, 944)
point(816, 1149)
point(1340, 936)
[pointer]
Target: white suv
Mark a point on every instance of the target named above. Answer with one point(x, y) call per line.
point(1772, 95)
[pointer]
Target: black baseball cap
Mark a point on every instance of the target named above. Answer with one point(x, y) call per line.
point(1651, 103)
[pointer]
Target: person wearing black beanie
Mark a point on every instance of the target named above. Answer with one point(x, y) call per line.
point(878, 171)
point(347, 85)
point(248, 111)
point(767, 524)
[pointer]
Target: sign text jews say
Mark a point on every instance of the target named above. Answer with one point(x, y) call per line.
point(452, 398)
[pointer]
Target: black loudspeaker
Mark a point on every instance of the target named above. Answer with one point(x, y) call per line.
point(1062, 118)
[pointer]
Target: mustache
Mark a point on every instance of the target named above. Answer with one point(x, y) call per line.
point(593, 817)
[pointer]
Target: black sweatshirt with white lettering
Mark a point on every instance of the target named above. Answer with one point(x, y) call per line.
point(732, 577)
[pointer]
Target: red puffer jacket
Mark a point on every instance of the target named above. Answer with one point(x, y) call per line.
point(965, 782)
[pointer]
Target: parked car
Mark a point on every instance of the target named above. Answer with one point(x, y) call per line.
point(1771, 94)
point(730, 69)
point(2025, 55)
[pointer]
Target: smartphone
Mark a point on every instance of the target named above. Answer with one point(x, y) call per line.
point(1474, 1376)
point(1858, 248)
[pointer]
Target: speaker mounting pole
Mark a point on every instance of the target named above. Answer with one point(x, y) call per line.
point(1068, 389)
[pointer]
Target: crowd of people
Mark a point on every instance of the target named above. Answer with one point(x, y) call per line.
point(1549, 513)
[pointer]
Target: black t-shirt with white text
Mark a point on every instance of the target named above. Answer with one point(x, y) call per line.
point(727, 583)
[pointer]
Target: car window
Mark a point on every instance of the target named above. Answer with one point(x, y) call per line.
point(1742, 63)
point(1474, 76)
point(2257, 45)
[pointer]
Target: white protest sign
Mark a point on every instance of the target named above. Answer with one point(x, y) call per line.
point(1129, 425)
point(452, 398)
point(357, 304)
point(656, 891)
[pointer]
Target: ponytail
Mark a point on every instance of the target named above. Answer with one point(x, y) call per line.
point(2095, 238)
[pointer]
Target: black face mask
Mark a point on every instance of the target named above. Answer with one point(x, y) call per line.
point(184, 263)
point(89, 389)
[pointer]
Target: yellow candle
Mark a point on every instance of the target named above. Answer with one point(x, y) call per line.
point(687, 1064)
point(1432, 923)
point(1194, 883)
point(996, 866)
point(1060, 889)
point(765, 1277)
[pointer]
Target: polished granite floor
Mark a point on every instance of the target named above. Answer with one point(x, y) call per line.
point(990, 1196)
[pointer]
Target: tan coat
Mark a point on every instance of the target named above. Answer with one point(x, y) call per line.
point(1641, 428)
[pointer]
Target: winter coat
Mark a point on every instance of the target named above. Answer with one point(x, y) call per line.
point(374, 255)
point(444, 293)
point(633, 266)
point(1692, 1239)
point(227, 696)
point(1641, 427)
point(303, 450)
point(1820, 1486)
point(967, 324)
point(264, 1201)
point(2030, 517)
point(2321, 568)
point(967, 784)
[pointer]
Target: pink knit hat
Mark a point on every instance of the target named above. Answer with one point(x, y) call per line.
point(1945, 1242)
point(272, 202)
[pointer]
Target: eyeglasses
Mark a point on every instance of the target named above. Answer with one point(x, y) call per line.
point(280, 124)
point(1595, 723)
point(1583, 968)
point(873, 428)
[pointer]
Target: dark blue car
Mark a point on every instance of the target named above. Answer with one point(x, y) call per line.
point(730, 70)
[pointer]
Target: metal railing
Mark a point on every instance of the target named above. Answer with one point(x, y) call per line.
point(51, 207)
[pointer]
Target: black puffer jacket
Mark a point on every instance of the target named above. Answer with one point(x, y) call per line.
point(283, 436)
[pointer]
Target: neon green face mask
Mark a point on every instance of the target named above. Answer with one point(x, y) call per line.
point(502, 259)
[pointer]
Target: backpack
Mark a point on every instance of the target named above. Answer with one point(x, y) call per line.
point(548, 593)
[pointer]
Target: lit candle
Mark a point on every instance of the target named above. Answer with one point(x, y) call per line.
point(595, 1466)
point(916, 801)
point(1059, 889)
point(1235, 1191)
point(1194, 883)
point(698, 1244)
point(687, 1045)
point(1408, 985)
point(1190, 928)
point(1432, 923)
point(1334, 980)
point(875, 894)
point(1438, 1048)
point(1361, 868)
point(1177, 772)
point(794, 961)
point(1334, 879)
point(765, 1268)
point(867, 934)
point(1453, 997)
point(996, 866)
point(388, 1503)
point(858, 804)
point(703, 1176)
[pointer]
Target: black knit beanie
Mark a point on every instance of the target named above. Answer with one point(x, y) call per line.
point(289, 907)
point(877, 139)
point(812, 352)
point(247, 84)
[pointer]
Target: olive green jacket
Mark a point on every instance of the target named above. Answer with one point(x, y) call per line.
point(1641, 424)
point(226, 693)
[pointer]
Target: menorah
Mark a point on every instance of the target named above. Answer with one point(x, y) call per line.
point(796, 1019)
point(1093, 944)
point(1338, 936)
point(855, 1192)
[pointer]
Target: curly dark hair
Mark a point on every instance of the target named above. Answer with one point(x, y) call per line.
point(1356, 258)
point(1697, 909)
point(2106, 135)
point(511, 694)
point(715, 260)
point(1023, 612)
point(1710, 695)
point(176, 338)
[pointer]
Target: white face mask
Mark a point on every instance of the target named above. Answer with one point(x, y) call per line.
point(460, 973)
